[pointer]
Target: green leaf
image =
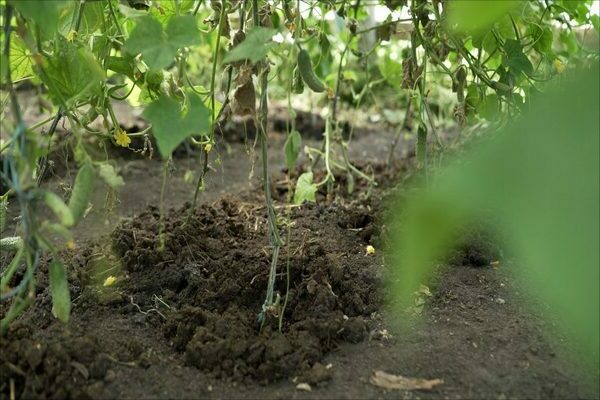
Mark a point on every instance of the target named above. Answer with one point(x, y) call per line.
point(158, 48)
point(515, 59)
point(109, 175)
point(473, 98)
point(490, 107)
point(132, 13)
point(595, 20)
point(59, 287)
point(120, 65)
point(475, 16)
point(20, 59)
point(538, 180)
point(391, 70)
point(149, 40)
point(182, 31)
point(292, 149)
point(72, 74)
point(254, 48)
point(543, 38)
point(305, 189)
point(44, 13)
point(91, 19)
point(171, 126)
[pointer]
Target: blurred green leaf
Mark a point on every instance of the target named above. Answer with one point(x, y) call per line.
point(44, 13)
point(515, 59)
point(391, 71)
point(539, 180)
point(542, 37)
point(475, 16)
point(305, 189)
point(59, 287)
point(182, 32)
point(109, 175)
point(254, 48)
point(171, 126)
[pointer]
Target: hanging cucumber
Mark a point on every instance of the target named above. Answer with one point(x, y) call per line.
point(82, 190)
point(307, 73)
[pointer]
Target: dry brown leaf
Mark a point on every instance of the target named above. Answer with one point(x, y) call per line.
point(244, 100)
point(399, 382)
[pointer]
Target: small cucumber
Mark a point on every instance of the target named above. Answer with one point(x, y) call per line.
point(82, 190)
point(11, 243)
point(307, 73)
point(59, 208)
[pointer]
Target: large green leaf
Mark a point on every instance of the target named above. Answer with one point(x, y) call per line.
point(72, 74)
point(182, 31)
point(538, 179)
point(254, 48)
point(149, 40)
point(59, 287)
point(44, 13)
point(157, 46)
point(91, 19)
point(170, 126)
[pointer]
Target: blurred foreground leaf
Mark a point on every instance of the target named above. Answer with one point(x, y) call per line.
point(475, 16)
point(539, 180)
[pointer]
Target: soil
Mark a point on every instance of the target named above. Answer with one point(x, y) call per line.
point(181, 319)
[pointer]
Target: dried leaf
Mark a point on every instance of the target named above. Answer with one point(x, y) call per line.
point(244, 100)
point(389, 381)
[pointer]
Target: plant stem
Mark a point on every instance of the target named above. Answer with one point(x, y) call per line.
point(161, 224)
point(261, 128)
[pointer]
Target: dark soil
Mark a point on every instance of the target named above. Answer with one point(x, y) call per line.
point(181, 319)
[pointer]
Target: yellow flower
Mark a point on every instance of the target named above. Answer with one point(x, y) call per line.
point(370, 250)
point(71, 245)
point(71, 35)
point(121, 138)
point(559, 66)
point(208, 147)
point(109, 281)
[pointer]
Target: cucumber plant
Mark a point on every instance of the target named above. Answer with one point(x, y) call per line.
point(87, 55)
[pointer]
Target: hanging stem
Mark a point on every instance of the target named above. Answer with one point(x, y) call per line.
point(204, 170)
